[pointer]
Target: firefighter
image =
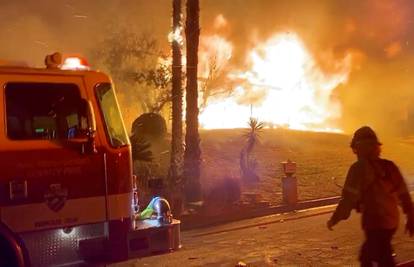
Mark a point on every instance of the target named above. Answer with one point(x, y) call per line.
point(374, 187)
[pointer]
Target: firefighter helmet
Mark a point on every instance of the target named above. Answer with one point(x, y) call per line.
point(364, 135)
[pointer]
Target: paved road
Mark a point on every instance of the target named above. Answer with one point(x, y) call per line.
point(296, 239)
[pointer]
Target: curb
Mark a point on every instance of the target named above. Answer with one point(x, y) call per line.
point(406, 264)
point(194, 221)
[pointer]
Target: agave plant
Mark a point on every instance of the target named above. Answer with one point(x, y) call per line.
point(252, 134)
point(248, 163)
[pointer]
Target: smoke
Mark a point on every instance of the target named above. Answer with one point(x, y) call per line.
point(377, 33)
point(33, 28)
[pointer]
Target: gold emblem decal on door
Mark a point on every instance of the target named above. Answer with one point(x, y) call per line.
point(56, 196)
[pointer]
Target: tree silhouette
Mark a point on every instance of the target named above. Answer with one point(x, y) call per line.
point(136, 61)
point(192, 139)
point(177, 98)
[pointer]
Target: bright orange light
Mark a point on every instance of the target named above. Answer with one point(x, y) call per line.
point(176, 36)
point(293, 91)
point(74, 63)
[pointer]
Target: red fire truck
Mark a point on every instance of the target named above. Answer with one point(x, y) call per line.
point(67, 191)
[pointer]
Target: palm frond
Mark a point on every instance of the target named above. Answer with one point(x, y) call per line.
point(141, 149)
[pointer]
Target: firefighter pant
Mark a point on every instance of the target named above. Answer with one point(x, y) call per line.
point(377, 248)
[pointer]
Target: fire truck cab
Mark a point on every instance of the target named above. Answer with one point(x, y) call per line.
point(67, 193)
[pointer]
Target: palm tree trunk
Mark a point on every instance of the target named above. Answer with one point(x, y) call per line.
point(177, 100)
point(192, 139)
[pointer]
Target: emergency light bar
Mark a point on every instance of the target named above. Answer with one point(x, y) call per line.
point(57, 61)
point(74, 63)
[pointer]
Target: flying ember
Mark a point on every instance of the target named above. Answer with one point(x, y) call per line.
point(284, 87)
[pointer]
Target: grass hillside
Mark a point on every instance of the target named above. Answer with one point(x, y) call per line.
point(319, 157)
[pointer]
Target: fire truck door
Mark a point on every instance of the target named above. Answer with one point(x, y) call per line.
point(53, 179)
point(117, 152)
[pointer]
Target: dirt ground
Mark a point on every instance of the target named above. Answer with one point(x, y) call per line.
point(319, 158)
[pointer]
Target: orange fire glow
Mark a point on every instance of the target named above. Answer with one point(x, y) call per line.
point(284, 87)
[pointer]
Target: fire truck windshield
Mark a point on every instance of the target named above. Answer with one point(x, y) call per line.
point(112, 116)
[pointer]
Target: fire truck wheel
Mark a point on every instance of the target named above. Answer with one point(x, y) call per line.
point(7, 257)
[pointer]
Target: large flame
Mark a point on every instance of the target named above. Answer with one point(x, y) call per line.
point(283, 88)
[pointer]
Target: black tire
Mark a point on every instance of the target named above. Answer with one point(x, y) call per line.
point(7, 257)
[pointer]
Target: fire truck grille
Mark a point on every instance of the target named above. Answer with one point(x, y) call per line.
point(59, 246)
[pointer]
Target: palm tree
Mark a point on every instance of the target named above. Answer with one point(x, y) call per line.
point(177, 98)
point(192, 152)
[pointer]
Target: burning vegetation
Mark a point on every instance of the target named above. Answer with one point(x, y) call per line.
point(283, 86)
point(309, 65)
